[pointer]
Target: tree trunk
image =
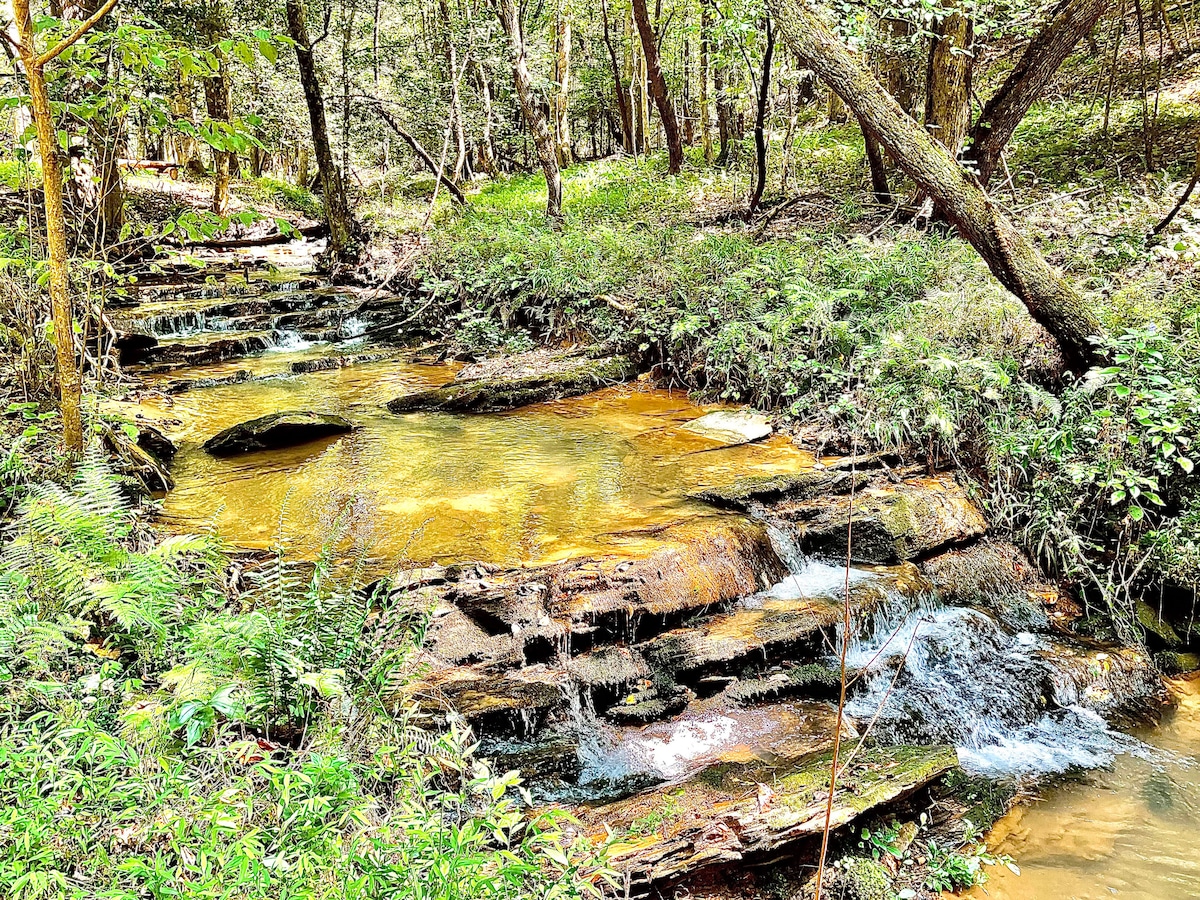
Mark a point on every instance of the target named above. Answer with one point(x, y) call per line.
point(487, 150)
point(837, 109)
point(948, 82)
point(1070, 21)
point(70, 382)
point(542, 139)
point(562, 77)
point(343, 229)
point(705, 131)
point(658, 88)
point(1012, 258)
point(760, 124)
point(216, 101)
point(623, 109)
point(879, 180)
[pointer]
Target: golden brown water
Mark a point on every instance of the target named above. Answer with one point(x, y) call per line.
point(534, 485)
point(1132, 831)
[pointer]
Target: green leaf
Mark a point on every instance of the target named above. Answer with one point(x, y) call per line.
point(267, 49)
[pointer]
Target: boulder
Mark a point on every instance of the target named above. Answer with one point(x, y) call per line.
point(1120, 684)
point(271, 432)
point(997, 577)
point(155, 443)
point(731, 427)
point(891, 522)
point(558, 376)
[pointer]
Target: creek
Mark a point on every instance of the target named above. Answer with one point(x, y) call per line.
point(606, 476)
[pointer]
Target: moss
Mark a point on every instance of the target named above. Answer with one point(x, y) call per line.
point(983, 801)
point(576, 376)
point(1172, 663)
point(866, 880)
point(1155, 625)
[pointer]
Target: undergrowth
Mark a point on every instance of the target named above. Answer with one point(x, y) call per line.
point(164, 733)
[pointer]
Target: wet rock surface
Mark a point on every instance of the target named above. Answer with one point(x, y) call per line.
point(731, 812)
point(731, 427)
point(520, 381)
point(281, 429)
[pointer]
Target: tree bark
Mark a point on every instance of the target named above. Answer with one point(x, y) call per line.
point(1012, 259)
point(658, 88)
point(760, 124)
point(948, 82)
point(343, 229)
point(70, 382)
point(1070, 21)
point(542, 139)
point(562, 77)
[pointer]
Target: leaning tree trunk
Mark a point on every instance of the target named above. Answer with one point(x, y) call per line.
point(343, 229)
point(542, 139)
point(658, 88)
point(1010, 256)
point(948, 82)
point(1069, 23)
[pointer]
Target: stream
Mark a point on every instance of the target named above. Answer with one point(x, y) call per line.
point(1117, 814)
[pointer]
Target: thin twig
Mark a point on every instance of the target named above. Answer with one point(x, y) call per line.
point(841, 709)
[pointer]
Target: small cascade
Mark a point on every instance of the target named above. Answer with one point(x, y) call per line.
point(288, 341)
point(178, 325)
point(954, 675)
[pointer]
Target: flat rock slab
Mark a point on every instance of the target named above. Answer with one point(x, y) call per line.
point(271, 432)
point(731, 427)
point(554, 377)
point(730, 811)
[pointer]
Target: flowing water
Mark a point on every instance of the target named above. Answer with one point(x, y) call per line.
point(1128, 830)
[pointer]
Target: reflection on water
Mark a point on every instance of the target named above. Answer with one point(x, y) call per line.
point(537, 484)
point(1130, 831)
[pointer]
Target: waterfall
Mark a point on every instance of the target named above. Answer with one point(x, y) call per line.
point(954, 675)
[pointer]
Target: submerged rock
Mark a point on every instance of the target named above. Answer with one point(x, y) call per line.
point(543, 376)
point(731, 427)
point(271, 432)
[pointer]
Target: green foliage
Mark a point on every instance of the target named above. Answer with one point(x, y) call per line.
point(1102, 483)
point(282, 194)
point(161, 737)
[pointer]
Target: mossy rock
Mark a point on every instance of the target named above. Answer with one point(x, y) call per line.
point(1154, 624)
point(767, 488)
point(865, 879)
point(1171, 662)
point(564, 376)
point(271, 432)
